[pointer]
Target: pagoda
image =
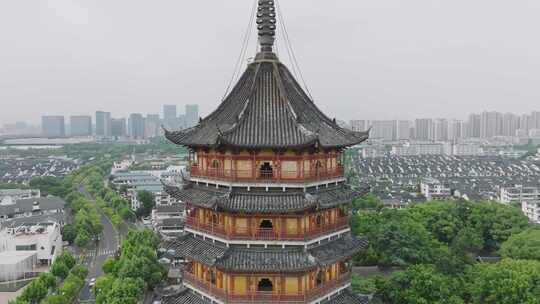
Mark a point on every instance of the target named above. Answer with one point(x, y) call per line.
point(266, 196)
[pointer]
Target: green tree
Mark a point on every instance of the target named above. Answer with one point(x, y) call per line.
point(506, 282)
point(442, 219)
point(55, 299)
point(67, 258)
point(368, 201)
point(467, 241)
point(69, 233)
point(420, 284)
point(126, 214)
point(59, 270)
point(48, 279)
point(524, 245)
point(396, 238)
point(147, 203)
point(80, 271)
point(70, 288)
point(109, 266)
point(83, 238)
point(121, 290)
point(35, 292)
point(496, 222)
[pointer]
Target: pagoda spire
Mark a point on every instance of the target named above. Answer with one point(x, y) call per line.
point(266, 24)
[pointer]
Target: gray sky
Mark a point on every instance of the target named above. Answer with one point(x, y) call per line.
point(370, 59)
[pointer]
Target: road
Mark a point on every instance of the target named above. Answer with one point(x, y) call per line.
point(107, 246)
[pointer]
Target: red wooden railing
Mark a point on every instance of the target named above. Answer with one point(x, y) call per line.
point(270, 176)
point(268, 297)
point(265, 233)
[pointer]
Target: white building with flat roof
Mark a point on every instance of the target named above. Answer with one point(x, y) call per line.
point(44, 239)
point(532, 210)
point(432, 188)
point(518, 194)
point(16, 265)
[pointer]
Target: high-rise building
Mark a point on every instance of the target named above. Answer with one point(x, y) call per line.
point(456, 130)
point(136, 126)
point(491, 124)
point(53, 126)
point(103, 124)
point(80, 125)
point(535, 120)
point(278, 245)
point(473, 126)
point(423, 129)
point(510, 124)
point(118, 127)
point(525, 122)
point(359, 125)
point(152, 125)
point(384, 129)
point(440, 129)
point(170, 117)
point(192, 115)
point(404, 129)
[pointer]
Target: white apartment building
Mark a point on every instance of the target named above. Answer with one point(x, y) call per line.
point(467, 149)
point(532, 210)
point(527, 197)
point(44, 239)
point(432, 188)
point(414, 149)
point(518, 194)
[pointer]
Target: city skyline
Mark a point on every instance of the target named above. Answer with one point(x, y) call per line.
point(485, 125)
point(81, 55)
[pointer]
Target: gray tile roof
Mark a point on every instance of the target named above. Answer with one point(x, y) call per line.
point(198, 249)
point(16, 222)
point(347, 297)
point(185, 297)
point(171, 222)
point(267, 108)
point(266, 260)
point(27, 205)
point(242, 259)
point(170, 208)
point(264, 201)
point(337, 250)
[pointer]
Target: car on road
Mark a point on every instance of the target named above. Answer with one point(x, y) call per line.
point(92, 282)
point(147, 220)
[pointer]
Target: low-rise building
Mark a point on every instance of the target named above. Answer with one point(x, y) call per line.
point(10, 196)
point(518, 194)
point(44, 239)
point(32, 207)
point(532, 210)
point(433, 188)
point(412, 149)
point(176, 210)
point(161, 197)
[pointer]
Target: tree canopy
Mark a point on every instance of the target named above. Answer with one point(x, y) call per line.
point(524, 245)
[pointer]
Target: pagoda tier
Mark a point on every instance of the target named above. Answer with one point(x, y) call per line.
point(268, 275)
point(257, 217)
point(189, 297)
point(260, 201)
point(267, 166)
point(267, 109)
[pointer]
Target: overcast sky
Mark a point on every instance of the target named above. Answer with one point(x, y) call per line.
point(368, 59)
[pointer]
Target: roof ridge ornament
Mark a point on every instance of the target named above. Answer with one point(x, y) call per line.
point(266, 24)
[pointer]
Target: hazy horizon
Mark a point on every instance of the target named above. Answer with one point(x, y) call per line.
point(361, 59)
